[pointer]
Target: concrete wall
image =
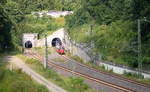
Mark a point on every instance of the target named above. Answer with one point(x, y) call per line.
point(29, 37)
point(121, 70)
point(41, 42)
point(58, 34)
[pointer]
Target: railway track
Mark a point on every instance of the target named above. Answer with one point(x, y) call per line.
point(91, 78)
point(109, 74)
point(50, 63)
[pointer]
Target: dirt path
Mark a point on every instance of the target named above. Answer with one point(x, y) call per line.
point(40, 79)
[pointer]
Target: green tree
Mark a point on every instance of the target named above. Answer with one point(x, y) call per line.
point(5, 27)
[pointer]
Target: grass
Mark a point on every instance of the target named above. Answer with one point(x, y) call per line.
point(90, 64)
point(77, 58)
point(1, 56)
point(59, 59)
point(41, 50)
point(131, 76)
point(60, 21)
point(71, 84)
point(74, 57)
point(17, 81)
point(135, 76)
point(117, 60)
point(146, 81)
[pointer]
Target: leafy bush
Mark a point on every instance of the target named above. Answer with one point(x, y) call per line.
point(134, 75)
point(2, 73)
point(78, 18)
point(115, 28)
point(77, 84)
point(77, 58)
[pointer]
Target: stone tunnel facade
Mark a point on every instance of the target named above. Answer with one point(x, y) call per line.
point(64, 39)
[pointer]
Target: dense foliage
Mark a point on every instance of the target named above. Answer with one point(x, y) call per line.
point(5, 26)
point(114, 25)
point(114, 28)
point(14, 22)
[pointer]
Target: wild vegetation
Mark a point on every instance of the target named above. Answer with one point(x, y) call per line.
point(15, 17)
point(112, 26)
point(17, 81)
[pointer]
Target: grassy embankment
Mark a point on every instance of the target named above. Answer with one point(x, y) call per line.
point(41, 51)
point(17, 81)
point(71, 84)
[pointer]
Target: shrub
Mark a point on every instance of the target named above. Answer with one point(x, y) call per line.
point(77, 84)
point(133, 75)
point(77, 58)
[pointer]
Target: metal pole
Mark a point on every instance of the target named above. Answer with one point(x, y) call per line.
point(91, 34)
point(46, 53)
point(139, 49)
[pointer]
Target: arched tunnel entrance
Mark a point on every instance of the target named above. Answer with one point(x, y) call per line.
point(56, 41)
point(28, 44)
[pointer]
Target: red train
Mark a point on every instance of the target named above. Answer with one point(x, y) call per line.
point(60, 49)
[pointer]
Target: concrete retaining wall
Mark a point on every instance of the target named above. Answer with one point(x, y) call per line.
point(121, 70)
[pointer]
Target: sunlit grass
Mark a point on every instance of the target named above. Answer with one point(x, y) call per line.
point(60, 21)
point(17, 81)
point(41, 50)
point(71, 84)
point(59, 59)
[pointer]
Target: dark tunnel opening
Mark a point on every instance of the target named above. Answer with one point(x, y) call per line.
point(56, 41)
point(28, 44)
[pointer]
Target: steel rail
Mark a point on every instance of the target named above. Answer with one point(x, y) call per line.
point(92, 78)
point(85, 76)
point(112, 75)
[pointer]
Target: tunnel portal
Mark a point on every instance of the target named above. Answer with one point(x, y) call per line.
point(28, 44)
point(56, 41)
